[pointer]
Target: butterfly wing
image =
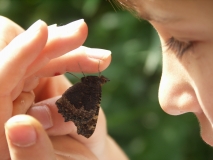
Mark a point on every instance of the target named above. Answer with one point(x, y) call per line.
point(80, 104)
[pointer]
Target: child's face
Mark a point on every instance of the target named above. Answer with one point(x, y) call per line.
point(185, 28)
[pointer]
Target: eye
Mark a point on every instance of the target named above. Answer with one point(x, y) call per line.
point(178, 47)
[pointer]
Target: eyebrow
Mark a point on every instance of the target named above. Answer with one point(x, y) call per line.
point(145, 14)
point(148, 17)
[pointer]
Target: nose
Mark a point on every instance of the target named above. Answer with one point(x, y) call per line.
point(176, 94)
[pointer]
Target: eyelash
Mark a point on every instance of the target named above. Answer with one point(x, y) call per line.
point(178, 47)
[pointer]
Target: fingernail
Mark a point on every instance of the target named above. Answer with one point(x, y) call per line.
point(70, 28)
point(52, 26)
point(34, 28)
point(20, 132)
point(42, 114)
point(97, 53)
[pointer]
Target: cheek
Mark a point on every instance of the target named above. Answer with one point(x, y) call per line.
point(200, 69)
point(205, 98)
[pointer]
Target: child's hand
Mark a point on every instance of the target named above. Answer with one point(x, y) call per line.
point(25, 60)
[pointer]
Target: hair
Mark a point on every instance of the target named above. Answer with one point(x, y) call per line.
point(130, 5)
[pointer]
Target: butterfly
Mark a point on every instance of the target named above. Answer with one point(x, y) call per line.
point(81, 103)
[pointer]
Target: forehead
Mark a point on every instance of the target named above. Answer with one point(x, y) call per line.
point(164, 10)
point(167, 10)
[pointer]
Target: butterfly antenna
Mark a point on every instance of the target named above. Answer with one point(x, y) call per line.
point(73, 75)
point(99, 68)
point(81, 69)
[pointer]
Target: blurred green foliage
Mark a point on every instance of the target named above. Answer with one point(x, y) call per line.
point(135, 119)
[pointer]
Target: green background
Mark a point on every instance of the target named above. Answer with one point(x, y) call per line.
point(135, 119)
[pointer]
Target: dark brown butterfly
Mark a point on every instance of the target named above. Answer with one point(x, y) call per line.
point(81, 103)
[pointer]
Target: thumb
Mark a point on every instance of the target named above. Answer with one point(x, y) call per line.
point(27, 139)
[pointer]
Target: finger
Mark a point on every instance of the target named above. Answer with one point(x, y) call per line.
point(98, 141)
point(6, 112)
point(47, 114)
point(8, 31)
point(83, 59)
point(52, 87)
point(19, 54)
point(23, 103)
point(27, 139)
point(60, 41)
point(69, 148)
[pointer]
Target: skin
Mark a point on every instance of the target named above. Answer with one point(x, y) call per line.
point(187, 80)
point(186, 83)
point(29, 62)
